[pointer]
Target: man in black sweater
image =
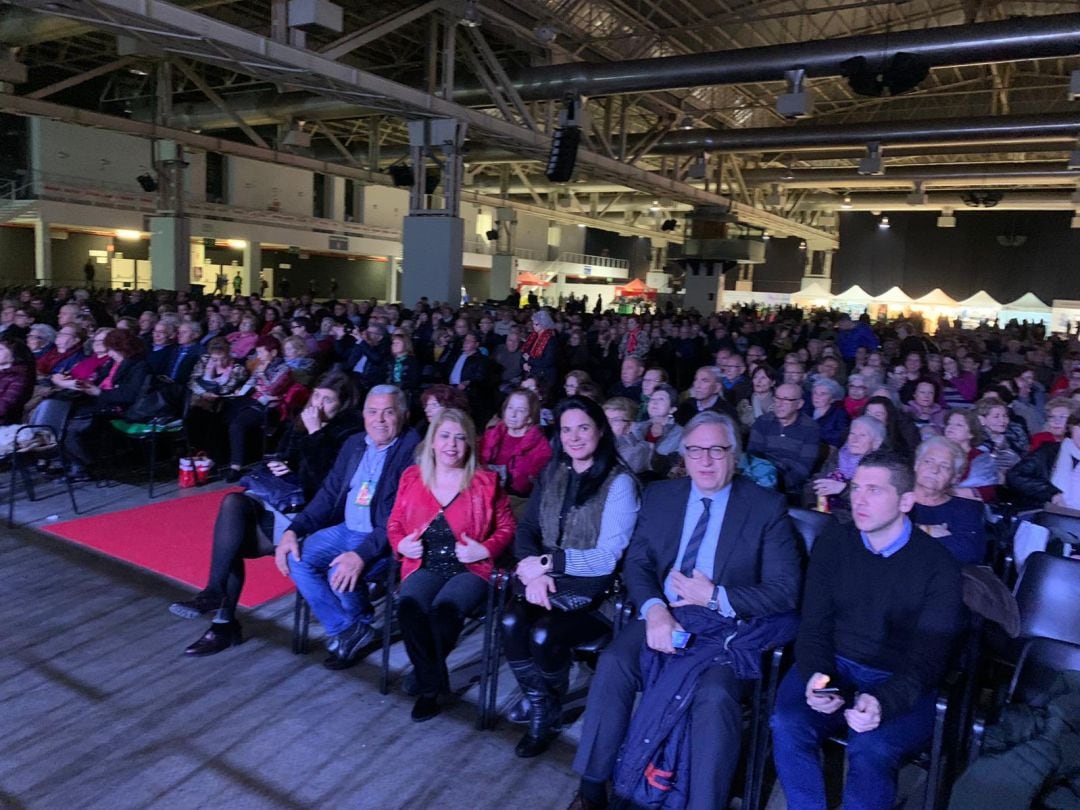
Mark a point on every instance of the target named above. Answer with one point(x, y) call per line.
point(881, 610)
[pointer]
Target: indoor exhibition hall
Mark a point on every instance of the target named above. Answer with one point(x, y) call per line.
point(540, 404)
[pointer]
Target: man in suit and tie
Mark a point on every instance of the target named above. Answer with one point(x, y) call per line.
point(713, 540)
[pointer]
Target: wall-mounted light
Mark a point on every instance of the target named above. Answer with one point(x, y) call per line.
point(846, 202)
point(239, 244)
point(128, 235)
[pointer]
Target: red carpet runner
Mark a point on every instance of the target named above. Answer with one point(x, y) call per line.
point(172, 538)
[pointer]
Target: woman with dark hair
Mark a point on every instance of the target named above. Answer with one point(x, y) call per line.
point(901, 436)
point(247, 528)
point(450, 522)
point(404, 369)
point(118, 389)
point(437, 398)
point(271, 317)
point(269, 381)
point(569, 542)
point(978, 481)
point(924, 410)
point(515, 447)
point(17, 376)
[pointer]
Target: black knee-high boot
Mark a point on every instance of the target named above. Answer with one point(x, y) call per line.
point(544, 691)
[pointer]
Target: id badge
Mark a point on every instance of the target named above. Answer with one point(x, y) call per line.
point(363, 495)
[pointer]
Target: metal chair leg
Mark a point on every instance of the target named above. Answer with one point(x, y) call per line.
point(153, 459)
point(388, 626)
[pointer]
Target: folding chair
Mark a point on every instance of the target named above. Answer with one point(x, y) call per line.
point(150, 431)
point(50, 417)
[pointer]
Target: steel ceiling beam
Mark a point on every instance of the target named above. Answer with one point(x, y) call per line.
point(179, 32)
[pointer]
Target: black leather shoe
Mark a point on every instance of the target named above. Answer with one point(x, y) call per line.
point(519, 711)
point(219, 637)
point(409, 684)
point(231, 475)
point(350, 643)
point(194, 608)
point(426, 707)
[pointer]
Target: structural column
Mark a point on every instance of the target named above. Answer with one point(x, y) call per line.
point(170, 253)
point(42, 253)
point(251, 268)
point(704, 287)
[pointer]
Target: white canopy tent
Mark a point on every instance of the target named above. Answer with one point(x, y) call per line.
point(813, 295)
point(893, 301)
point(1028, 307)
point(934, 306)
point(980, 307)
point(854, 300)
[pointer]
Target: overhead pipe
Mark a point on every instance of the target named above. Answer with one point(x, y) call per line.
point(1056, 35)
point(969, 174)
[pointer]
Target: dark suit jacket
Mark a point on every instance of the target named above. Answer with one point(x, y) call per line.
point(474, 371)
point(689, 409)
point(327, 508)
point(378, 358)
point(756, 557)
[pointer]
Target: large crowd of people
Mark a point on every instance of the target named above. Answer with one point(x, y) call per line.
point(659, 451)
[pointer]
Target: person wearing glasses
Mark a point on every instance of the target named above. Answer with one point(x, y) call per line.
point(369, 361)
point(956, 522)
point(787, 437)
point(736, 385)
point(709, 552)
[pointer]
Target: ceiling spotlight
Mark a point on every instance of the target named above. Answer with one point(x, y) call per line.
point(687, 122)
point(884, 223)
point(1074, 159)
point(797, 102)
point(765, 236)
point(871, 164)
point(470, 16)
point(787, 174)
point(846, 202)
point(698, 169)
point(1074, 85)
point(802, 245)
point(545, 34)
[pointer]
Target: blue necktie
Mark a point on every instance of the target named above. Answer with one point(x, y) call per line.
point(689, 560)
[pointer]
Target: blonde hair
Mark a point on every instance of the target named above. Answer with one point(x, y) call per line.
point(425, 454)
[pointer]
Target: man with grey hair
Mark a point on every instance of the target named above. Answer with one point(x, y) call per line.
point(369, 359)
point(705, 395)
point(787, 437)
point(344, 526)
point(712, 551)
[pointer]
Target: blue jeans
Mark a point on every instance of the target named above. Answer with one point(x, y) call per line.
point(874, 757)
point(338, 611)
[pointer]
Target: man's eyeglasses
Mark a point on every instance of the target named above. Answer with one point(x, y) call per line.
point(789, 399)
point(716, 452)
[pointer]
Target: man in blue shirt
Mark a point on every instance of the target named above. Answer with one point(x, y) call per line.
point(711, 540)
point(344, 526)
point(881, 609)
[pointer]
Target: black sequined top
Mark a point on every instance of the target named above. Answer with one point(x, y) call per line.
point(439, 548)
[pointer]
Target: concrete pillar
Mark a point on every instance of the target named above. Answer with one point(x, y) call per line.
point(704, 287)
point(335, 198)
point(744, 281)
point(43, 270)
point(170, 253)
point(251, 267)
point(502, 276)
point(432, 259)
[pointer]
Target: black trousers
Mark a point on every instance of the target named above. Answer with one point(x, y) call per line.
point(431, 612)
point(546, 637)
point(242, 416)
point(243, 530)
point(715, 720)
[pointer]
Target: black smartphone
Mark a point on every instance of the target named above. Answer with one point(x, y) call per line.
point(827, 690)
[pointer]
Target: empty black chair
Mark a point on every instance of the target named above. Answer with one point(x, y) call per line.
point(1041, 660)
point(1064, 529)
point(810, 525)
point(1048, 594)
point(49, 420)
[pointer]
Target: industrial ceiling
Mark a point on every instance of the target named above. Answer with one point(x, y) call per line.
point(761, 104)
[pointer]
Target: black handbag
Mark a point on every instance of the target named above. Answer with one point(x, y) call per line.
point(572, 593)
point(280, 492)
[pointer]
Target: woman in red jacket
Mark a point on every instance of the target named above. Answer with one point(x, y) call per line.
point(450, 521)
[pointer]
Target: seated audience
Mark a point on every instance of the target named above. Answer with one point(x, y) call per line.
point(901, 435)
point(978, 480)
point(108, 398)
point(242, 342)
point(705, 395)
point(833, 480)
point(635, 452)
point(540, 351)
point(631, 374)
point(826, 408)
point(270, 380)
point(858, 395)
point(247, 527)
point(736, 386)
point(881, 610)
point(17, 375)
point(40, 340)
point(568, 543)
point(710, 551)
point(760, 401)
point(1058, 411)
point(437, 397)
point(956, 522)
point(344, 526)
point(404, 368)
point(661, 430)
point(787, 438)
point(515, 447)
point(450, 522)
point(574, 380)
point(1048, 476)
point(1000, 439)
point(923, 408)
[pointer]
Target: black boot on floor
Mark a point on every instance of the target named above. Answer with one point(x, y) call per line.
point(545, 710)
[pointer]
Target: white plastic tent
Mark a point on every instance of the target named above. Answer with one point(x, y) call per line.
point(854, 300)
point(1028, 307)
point(936, 298)
point(981, 300)
point(894, 298)
point(814, 294)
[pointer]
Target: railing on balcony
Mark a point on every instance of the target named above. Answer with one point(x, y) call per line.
point(594, 261)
